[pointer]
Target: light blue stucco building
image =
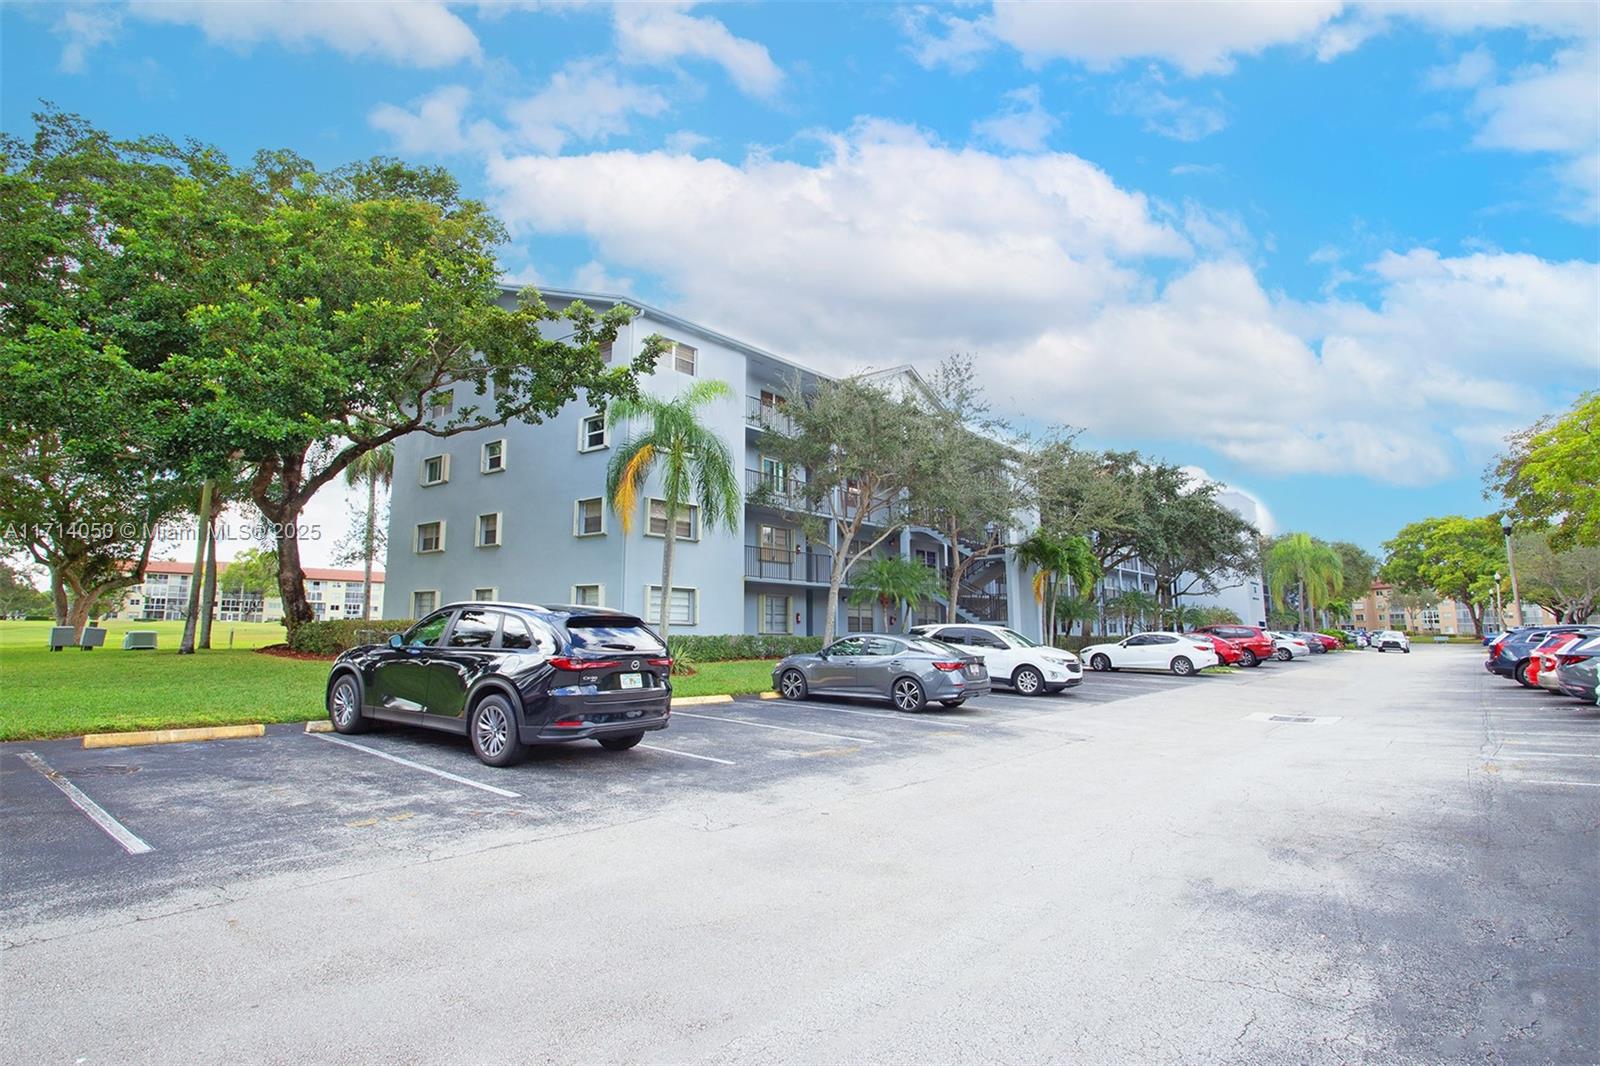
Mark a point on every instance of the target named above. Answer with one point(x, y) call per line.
point(518, 512)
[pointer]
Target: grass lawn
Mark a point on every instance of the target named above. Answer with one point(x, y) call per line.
point(67, 693)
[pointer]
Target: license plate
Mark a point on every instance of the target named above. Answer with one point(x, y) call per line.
point(630, 681)
point(972, 668)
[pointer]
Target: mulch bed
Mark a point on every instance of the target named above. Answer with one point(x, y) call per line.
point(283, 651)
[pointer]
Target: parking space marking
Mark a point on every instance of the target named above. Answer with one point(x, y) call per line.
point(112, 828)
point(446, 774)
point(686, 754)
point(908, 718)
point(1553, 755)
point(781, 728)
point(1574, 784)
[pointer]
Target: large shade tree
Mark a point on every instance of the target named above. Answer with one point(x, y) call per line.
point(1550, 474)
point(693, 464)
point(1453, 557)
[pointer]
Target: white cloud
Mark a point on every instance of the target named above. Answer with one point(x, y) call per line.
point(422, 33)
point(585, 102)
point(894, 248)
point(433, 129)
point(594, 277)
point(1023, 124)
point(940, 39)
point(1470, 70)
point(85, 28)
point(1169, 116)
point(686, 142)
point(1196, 36)
point(664, 32)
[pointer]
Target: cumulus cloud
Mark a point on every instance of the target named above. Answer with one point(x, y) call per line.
point(422, 33)
point(894, 247)
point(1022, 124)
point(937, 38)
point(434, 128)
point(1170, 116)
point(585, 101)
point(83, 28)
point(665, 32)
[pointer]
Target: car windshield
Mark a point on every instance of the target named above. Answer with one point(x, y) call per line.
point(1018, 639)
point(613, 633)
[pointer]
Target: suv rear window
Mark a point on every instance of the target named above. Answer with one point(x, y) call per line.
point(613, 633)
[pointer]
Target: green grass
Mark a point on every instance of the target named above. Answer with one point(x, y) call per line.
point(71, 692)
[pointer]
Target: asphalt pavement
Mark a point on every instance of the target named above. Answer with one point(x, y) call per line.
point(1352, 857)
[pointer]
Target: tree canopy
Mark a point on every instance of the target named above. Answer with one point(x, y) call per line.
point(1550, 475)
point(1453, 557)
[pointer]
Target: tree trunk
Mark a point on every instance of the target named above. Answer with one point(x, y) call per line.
point(1300, 608)
point(292, 582)
point(58, 595)
point(835, 581)
point(372, 521)
point(197, 576)
point(669, 541)
point(955, 583)
point(208, 603)
point(77, 614)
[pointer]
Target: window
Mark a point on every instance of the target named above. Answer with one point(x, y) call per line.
point(430, 537)
point(593, 434)
point(588, 595)
point(474, 629)
point(852, 493)
point(491, 593)
point(847, 646)
point(777, 544)
point(858, 618)
point(773, 614)
point(428, 631)
point(494, 456)
point(605, 351)
point(774, 475)
point(352, 599)
point(489, 530)
point(442, 403)
point(688, 522)
point(436, 469)
point(928, 557)
point(883, 646)
point(589, 517)
point(772, 400)
point(684, 609)
point(683, 358)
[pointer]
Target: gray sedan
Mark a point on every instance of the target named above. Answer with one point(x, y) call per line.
point(906, 670)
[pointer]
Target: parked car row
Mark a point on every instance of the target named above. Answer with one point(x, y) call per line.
point(1561, 658)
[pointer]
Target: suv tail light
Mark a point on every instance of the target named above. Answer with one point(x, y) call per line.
point(1568, 660)
point(665, 664)
point(947, 667)
point(561, 662)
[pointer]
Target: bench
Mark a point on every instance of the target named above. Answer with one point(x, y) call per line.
point(93, 637)
point(139, 640)
point(1441, 640)
point(62, 637)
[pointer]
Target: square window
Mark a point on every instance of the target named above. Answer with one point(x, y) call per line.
point(489, 530)
point(688, 523)
point(684, 358)
point(777, 543)
point(593, 434)
point(588, 595)
point(423, 602)
point(605, 351)
point(442, 403)
point(494, 456)
point(430, 537)
point(589, 517)
point(436, 469)
point(684, 605)
point(488, 594)
point(774, 614)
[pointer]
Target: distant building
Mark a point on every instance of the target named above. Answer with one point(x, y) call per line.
point(164, 595)
point(1380, 609)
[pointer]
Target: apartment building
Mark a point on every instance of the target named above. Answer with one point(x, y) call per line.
point(164, 595)
point(1383, 608)
point(519, 512)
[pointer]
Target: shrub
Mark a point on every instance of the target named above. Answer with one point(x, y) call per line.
point(705, 648)
point(336, 635)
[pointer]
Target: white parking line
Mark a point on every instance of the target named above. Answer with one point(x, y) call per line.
point(909, 718)
point(780, 728)
point(1552, 755)
point(1574, 784)
point(97, 814)
point(685, 754)
point(447, 775)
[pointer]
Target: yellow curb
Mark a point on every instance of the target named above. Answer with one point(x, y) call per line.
point(172, 736)
point(697, 701)
point(319, 725)
point(768, 696)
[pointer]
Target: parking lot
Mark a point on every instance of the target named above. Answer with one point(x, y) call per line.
point(1349, 856)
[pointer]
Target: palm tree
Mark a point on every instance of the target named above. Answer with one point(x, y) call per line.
point(1307, 564)
point(370, 468)
point(893, 581)
point(1131, 604)
point(695, 466)
point(1055, 560)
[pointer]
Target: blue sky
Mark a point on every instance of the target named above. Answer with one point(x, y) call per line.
point(1327, 252)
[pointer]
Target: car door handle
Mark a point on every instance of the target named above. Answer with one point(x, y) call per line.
point(894, 662)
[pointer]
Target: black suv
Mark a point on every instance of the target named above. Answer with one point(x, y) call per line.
point(509, 675)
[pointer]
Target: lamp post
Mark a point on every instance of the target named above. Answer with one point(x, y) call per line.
point(1499, 611)
point(1511, 562)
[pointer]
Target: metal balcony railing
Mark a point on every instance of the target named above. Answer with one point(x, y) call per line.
point(766, 415)
point(776, 564)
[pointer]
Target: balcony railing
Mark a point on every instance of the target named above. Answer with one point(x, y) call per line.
point(775, 490)
point(766, 415)
point(777, 564)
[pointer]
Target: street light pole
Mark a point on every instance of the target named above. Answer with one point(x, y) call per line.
point(1499, 611)
point(1511, 561)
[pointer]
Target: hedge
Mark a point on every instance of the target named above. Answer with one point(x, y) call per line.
point(337, 635)
point(705, 648)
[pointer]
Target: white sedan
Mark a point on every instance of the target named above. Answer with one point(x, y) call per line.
point(1028, 667)
point(1286, 646)
point(1179, 652)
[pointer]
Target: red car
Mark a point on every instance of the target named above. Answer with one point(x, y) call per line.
point(1254, 644)
point(1546, 656)
point(1228, 652)
point(1328, 643)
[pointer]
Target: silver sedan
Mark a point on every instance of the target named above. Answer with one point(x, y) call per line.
point(907, 671)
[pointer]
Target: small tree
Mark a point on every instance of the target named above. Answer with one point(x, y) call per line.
point(895, 583)
point(1055, 562)
point(1131, 605)
point(372, 469)
point(865, 455)
point(696, 466)
point(1310, 567)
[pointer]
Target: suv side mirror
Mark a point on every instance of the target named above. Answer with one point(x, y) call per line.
point(396, 640)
